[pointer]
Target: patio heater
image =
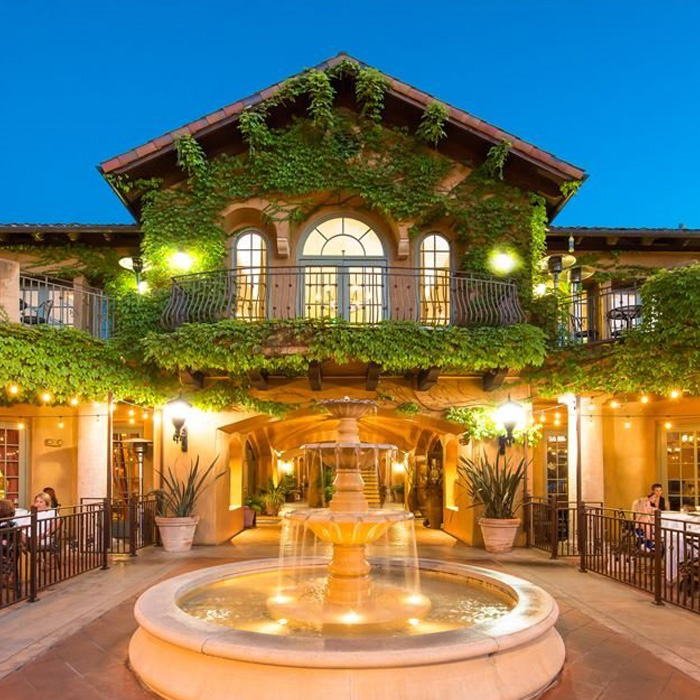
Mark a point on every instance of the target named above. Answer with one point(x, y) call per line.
point(556, 264)
point(139, 446)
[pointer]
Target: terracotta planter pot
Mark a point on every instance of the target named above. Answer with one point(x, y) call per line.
point(499, 534)
point(177, 534)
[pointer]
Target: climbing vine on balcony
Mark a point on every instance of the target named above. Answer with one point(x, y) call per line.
point(662, 354)
point(288, 347)
point(333, 155)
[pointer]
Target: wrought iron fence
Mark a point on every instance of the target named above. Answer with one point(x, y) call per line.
point(554, 526)
point(360, 294)
point(658, 554)
point(41, 549)
point(59, 303)
point(599, 315)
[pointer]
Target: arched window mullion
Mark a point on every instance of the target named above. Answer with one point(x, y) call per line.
point(248, 293)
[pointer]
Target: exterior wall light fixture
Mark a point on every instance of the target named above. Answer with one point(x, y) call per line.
point(510, 415)
point(179, 411)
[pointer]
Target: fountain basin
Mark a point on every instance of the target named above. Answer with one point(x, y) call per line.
point(181, 657)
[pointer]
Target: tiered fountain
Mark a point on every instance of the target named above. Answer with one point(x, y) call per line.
point(347, 625)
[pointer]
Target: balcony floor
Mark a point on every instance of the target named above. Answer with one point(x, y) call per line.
point(73, 643)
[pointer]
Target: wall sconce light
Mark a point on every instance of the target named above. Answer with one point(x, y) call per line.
point(179, 412)
point(510, 415)
point(136, 265)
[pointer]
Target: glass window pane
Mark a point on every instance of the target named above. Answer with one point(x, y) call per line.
point(343, 237)
point(341, 246)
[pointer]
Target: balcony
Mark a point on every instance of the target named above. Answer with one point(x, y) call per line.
point(61, 304)
point(360, 295)
point(599, 315)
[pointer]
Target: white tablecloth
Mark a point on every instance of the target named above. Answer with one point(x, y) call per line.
point(675, 551)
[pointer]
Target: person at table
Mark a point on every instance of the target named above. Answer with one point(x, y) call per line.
point(656, 497)
point(52, 494)
point(42, 503)
point(10, 546)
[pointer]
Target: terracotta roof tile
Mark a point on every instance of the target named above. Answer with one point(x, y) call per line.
point(398, 87)
point(147, 148)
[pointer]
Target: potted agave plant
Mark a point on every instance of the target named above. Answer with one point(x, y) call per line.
point(176, 502)
point(496, 487)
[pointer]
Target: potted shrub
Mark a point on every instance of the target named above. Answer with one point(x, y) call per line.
point(273, 496)
point(175, 506)
point(252, 506)
point(496, 487)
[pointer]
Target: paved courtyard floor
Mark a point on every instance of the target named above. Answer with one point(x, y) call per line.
point(72, 645)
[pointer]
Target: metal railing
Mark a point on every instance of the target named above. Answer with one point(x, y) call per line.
point(554, 526)
point(599, 315)
point(42, 549)
point(363, 295)
point(658, 553)
point(59, 303)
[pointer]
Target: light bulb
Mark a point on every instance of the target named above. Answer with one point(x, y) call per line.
point(628, 424)
point(131, 412)
point(645, 398)
point(502, 262)
point(181, 261)
point(74, 401)
point(20, 426)
point(60, 424)
point(668, 425)
point(614, 404)
point(13, 389)
point(675, 393)
point(46, 397)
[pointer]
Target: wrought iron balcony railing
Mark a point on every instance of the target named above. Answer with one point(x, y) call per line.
point(62, 304)
point(599, 315)
point(363, 295)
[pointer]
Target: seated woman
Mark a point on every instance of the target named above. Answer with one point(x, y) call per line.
point(644, 523)
point(52, 495)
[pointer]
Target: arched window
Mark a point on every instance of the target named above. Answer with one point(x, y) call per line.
point(434, 258)
point(344, 271)
point(342, 237)
point(249, 288)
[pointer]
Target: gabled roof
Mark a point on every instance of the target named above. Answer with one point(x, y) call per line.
point(539, 170)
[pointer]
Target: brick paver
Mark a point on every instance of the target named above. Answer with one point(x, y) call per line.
point(91, 665)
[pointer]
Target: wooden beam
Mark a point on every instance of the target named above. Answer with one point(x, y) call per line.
point(315, 376)
point(612, 240)
point(647, 241)
point(427, 378)
point(258, 379)
point(372, 379)
point(494, 379)
point(194, 380)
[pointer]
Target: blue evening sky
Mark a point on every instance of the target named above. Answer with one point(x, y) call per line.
point(610, 85)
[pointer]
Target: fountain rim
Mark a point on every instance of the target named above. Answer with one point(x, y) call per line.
point(157, 612)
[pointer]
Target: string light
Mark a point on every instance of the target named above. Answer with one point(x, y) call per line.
point(13, 389)
point(145, 415)
point(645, 398)
point(628, 424)
point(46, 397)
point(543, 418)
point(60, 423)
point(675, 393)
point(614, 404)
point(20, 426)
point(668, 425)
point(131, 413)
point(74, 401)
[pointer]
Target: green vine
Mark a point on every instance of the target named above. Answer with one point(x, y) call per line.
point(236, 347)
point(432, 124)
point(496, 159)
point(480, 424)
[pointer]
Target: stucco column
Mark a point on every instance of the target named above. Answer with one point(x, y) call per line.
point(93, 439)
point(9, 289)
point(569, 400)
point(592, 458)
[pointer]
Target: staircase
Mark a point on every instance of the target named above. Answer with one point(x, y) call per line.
point(371, 490)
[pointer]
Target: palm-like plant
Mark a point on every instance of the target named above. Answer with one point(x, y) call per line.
point(494, 486)
point(178, 497)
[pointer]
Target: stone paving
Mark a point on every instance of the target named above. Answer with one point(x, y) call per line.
point(609, 657)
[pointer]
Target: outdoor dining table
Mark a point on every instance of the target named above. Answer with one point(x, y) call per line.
point(675, 550)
